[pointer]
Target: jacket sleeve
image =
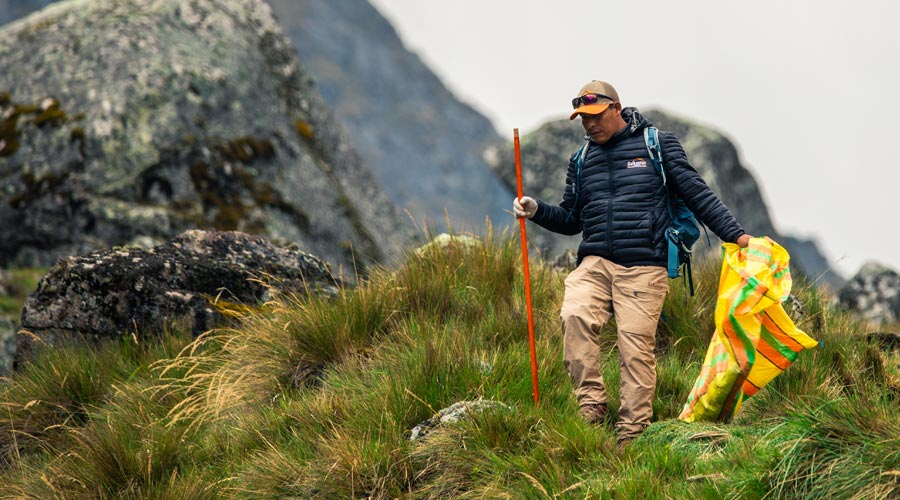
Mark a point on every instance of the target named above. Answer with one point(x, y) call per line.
point(564, 218)
point(705, 204)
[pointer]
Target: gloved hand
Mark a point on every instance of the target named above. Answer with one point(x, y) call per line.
point(525, 206)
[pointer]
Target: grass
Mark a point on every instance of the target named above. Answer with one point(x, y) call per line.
point(316, 397)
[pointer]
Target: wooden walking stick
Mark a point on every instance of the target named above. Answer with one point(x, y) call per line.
point(524, 238)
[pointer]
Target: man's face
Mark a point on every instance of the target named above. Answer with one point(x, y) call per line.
point(602, 126)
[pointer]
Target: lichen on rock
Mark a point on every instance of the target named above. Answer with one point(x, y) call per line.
point(186, 110)
point(120, 291)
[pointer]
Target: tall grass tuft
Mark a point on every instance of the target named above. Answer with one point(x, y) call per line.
point(56, 389)
point(843, 448)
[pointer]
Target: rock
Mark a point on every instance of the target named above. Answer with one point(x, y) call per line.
point(445, 240)
point(795, 308)
point(132, 121)
point(453, 414)
point(874, 293)
point(565, 262)
point(544, 155)
point(186, 281)
point(888, 341)
point(424, 145)
point(7, 346)
point(812, 262)
point(14, 9)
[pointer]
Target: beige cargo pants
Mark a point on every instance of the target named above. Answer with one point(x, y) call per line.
point(595, 291)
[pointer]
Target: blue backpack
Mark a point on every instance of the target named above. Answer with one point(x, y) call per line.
point(683, 231)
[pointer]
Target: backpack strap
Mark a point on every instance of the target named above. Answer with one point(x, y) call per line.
point(579, 164)
point(651, 139)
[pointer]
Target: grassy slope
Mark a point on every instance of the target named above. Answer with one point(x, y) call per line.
point(315, 399)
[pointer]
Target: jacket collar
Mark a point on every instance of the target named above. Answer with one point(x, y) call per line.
point(634, 121)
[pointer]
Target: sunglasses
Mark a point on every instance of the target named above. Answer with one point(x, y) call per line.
point(588, 99)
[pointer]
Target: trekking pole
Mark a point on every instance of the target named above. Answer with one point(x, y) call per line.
point(524, 238)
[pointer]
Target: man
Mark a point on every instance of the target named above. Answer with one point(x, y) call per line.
point(619, 207)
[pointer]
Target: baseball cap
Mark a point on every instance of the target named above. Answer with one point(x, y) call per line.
point(600, 96)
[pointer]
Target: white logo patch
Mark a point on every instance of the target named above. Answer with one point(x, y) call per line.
point(637, 163)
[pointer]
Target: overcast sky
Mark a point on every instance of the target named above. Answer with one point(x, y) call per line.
point(809, 90)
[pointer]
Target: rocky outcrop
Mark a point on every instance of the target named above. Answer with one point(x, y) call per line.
point(544, 161)
point(423, 143)
point(7, 346)
point(874, 293)
point(190, 281)
point(544, 155)
point(128, 122)
point(814, 264)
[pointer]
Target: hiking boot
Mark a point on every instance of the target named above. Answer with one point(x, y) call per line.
point(593, 413)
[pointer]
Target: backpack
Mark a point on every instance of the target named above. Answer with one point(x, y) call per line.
point(683, 230)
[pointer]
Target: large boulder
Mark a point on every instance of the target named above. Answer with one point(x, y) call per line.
point(7, 345)
point(424, 144)
point(874, 293)
point(188, 282)
point(130, 121)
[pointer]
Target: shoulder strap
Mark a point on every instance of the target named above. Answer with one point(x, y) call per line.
point(651, 139)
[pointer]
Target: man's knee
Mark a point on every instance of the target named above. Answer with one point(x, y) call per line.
point(575, 312)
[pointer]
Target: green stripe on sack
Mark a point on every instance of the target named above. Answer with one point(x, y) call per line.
point(768, 338)
point(742, 297)
point(764, 255)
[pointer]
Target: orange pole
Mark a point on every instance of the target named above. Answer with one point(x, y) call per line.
point(524, 238)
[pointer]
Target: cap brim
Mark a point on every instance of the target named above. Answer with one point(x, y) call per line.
point(591, 109)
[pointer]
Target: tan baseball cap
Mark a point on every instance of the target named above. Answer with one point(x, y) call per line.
point(605, 95)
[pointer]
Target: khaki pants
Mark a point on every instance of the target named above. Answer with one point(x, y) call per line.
point(595, 291)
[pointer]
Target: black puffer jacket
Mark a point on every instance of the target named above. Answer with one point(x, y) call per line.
point(621, 210)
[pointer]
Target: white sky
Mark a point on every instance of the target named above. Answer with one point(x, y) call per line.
point(809, 90)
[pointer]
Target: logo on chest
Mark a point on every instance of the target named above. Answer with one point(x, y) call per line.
point(637, 163)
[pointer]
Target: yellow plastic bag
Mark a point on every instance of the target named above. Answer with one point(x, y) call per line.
point(755, 340)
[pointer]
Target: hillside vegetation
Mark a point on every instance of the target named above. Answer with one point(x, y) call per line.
point(315, 398)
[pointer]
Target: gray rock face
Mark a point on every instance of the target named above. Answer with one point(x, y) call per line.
point(14, 9)
point(544, 161)
point(131, 121)
point(545, 153)
point(874, 293)
point(7, 346)
point(186, 281)
point(423, 143)
point(813, 263)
